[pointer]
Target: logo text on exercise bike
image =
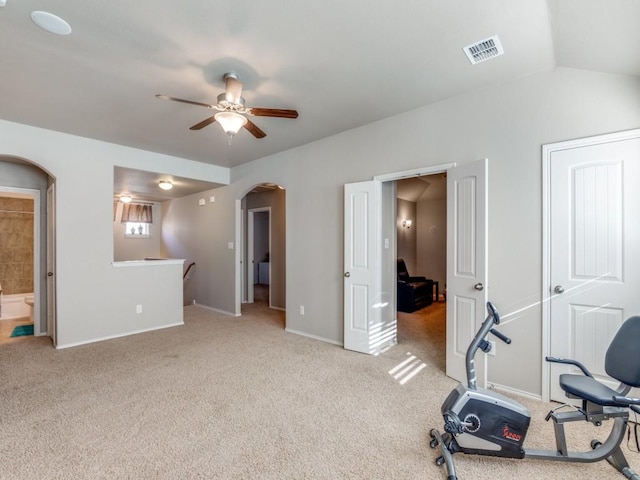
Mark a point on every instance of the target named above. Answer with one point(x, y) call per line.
point(506, 433)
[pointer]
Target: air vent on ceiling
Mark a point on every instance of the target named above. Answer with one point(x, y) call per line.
point(483, 50)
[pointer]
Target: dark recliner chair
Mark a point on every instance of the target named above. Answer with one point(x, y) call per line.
point(414, 293)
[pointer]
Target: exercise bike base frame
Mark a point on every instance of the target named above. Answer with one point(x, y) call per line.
point(609, 450)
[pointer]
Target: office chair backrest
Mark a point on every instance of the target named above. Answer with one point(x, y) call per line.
point(622, 360)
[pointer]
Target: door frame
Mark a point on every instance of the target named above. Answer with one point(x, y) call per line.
point(547, 152)
point(250, 259)
point(51, 264)
point(404, 174)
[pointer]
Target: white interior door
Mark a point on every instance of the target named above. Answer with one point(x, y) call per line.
point(51, 264)
point(364, 329)
point(466, 265)
point(594, 209)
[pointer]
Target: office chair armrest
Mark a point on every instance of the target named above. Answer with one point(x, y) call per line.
point(570, 362)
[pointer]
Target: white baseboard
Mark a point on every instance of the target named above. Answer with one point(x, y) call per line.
point(119, 335)
point(515, 391)
point(278, 308)
point(315, 337)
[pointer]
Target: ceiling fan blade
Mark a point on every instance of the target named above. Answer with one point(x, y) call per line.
point(254, 129)
point(191, 102)
point(204, 123)
point(273, 112)
point(233, 91)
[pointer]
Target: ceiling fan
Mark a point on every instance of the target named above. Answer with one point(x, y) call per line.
point(232, 112)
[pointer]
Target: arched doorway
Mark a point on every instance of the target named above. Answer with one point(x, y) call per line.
point(26, 226)
point(263, 254)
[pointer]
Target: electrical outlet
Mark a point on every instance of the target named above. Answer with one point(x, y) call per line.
point(493, 347)
point(301, 309)
point(138, 308)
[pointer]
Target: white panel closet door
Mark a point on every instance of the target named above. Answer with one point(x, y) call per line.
point(595, 259)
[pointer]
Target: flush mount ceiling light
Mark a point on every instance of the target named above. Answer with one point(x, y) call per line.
point(165, 185)
point(231, 123)
point(126, 198)
point(50, 22)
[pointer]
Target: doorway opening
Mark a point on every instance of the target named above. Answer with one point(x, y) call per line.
point(258, 255)
point(263, 254)
point(18, 257)
point(25, 253)
point(421, 246)
point(370, 279)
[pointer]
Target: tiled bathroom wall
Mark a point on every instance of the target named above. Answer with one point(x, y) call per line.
point(16, 245)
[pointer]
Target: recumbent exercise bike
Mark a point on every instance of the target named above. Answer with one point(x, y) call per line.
point(482, 422)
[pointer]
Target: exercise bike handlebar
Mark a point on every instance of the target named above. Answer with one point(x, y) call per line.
point(501, 336)
point(480, 342)
point(494, 313)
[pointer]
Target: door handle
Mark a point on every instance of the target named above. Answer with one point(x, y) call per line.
point(347, 274)
point(478, 286)
point(559, 289)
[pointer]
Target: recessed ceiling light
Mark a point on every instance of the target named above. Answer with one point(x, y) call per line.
point(165, 185)
point(50, 22)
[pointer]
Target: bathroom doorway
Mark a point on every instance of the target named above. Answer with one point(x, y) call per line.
point(19, 255)
point(23, 246)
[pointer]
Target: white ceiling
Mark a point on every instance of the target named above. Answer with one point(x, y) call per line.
point(414, 189)
point(341, 64)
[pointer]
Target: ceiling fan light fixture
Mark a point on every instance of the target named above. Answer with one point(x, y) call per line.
point(231, 123)
point(126, 198)
point(165, 185)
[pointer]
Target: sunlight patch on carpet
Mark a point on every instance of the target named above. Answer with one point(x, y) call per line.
point(407, 369)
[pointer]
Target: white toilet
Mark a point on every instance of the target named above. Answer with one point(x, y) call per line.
point(29, 301)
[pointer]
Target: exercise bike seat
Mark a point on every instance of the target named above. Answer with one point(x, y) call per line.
point(622, 362)
point(588, 388)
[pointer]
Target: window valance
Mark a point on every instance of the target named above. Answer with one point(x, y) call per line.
point(135, 212)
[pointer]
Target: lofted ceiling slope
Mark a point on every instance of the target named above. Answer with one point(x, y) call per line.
point(340, 64)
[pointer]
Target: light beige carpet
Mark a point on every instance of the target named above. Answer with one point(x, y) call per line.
point(239, 398)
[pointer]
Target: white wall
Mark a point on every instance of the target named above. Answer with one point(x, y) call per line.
point(94, 299)
point(508, 124)
point(406, 237)
point(431, 232)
